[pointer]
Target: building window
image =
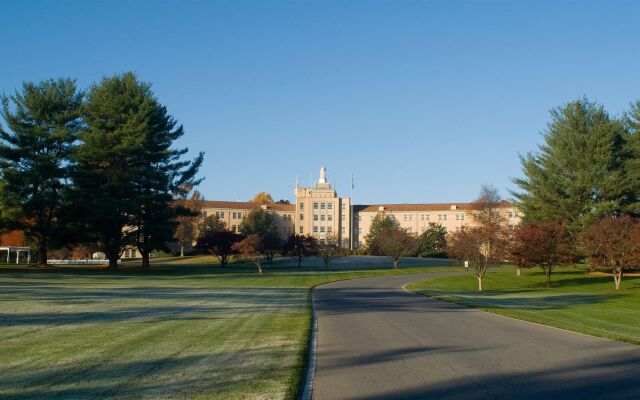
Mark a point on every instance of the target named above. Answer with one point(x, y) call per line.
point(301, 230)
point(322, 206)
point(322, 229)
point(301, 206)
point(457, 217)
point(461, 217)
point(406, 217)
point(322, 217)
point(343, 217)
point(344, 206)
point(329, 229)
point(315, 229)
point(315, 206)
point(359, 231)
point(444, 217)
point(329, 217)
point(330, 206)
point(510, 214)
point(342, 230)
point(315, 217)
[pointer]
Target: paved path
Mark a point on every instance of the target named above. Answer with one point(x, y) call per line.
point(376, 341)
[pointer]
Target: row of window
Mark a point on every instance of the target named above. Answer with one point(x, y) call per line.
point(322, 229)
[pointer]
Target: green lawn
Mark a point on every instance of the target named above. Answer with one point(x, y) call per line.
point(577, 301)
point(186, 329)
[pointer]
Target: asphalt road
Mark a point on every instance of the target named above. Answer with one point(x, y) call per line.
point(376, 341)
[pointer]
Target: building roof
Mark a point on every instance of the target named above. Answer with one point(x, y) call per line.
point(420, 207)
point(248, 205)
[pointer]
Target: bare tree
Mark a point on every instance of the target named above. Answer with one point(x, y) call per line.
point(395, 243)
point(187, 229)
point(251, 249)
point(329, 250)
point(613, 243)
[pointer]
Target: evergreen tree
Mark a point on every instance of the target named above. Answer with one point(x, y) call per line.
point(43, 122)
point(126, 172)
point(578, 173)
point(433, 241)
point(380, 221)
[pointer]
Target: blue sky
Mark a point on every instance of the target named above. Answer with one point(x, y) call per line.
point(423, 101)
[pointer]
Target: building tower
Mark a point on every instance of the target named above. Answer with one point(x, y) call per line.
point(321, 213)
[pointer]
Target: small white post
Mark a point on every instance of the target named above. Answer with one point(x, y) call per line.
point(29, 256)
point(17, 256)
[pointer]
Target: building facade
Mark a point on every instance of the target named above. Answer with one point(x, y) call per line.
point(320, 212)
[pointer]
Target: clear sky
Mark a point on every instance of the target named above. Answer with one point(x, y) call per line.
point(423, 101)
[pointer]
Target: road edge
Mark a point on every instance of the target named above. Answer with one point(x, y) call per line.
point(311, 354)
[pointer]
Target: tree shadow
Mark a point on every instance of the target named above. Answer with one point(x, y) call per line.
point(614, 377)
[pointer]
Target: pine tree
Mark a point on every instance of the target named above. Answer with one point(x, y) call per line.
point(577, 175)
point(43, 122)
point(126, 171)
point(632, 165)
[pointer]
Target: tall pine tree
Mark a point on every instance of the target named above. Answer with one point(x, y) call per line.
point(43, 122)
point(578, 173)
point(632, 165)
point(126, 171)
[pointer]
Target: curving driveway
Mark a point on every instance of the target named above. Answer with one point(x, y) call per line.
point(376, 341)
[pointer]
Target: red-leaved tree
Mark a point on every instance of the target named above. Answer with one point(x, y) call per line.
point(541, 244)
point(613, 243)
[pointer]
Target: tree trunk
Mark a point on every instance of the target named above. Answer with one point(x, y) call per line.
point(181, 249)
point(145, 260)
point(113, 259)
point(617, 277)
point(42, 252)
point(517, 271)
point(548, 274)
point(258, 266)
point(479, 284)
point(395, 264)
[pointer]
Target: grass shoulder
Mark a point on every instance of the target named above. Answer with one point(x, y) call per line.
point(577, 301)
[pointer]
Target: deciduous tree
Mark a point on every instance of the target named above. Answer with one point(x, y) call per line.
point(300, 247)
point(42, 122)
point(329, 250)
point(487, 241)
point(260, 222)
point(262, 198)
point(545, 244)
point(188, 224)
point(251, 249)
point(395, 243)
point(380, 221)
point(613, 243)
point(215, 239)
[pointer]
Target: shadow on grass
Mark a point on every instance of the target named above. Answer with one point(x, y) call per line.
point(181, 267)
point(192, 304)
point(216, 374)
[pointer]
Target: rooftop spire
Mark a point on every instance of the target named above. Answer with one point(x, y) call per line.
point(323, 175)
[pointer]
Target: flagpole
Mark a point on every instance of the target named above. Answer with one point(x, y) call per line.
point(351, 216)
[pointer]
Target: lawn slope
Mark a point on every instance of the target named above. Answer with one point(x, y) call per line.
point(577, 301)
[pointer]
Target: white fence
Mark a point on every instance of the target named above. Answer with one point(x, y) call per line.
point(78, 262)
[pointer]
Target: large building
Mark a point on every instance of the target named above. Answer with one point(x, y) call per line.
point(318, 211)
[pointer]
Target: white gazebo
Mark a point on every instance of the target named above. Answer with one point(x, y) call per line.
point(17, 250)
